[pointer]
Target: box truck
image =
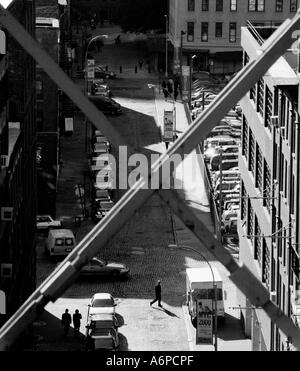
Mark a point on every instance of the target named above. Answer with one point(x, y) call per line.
point(200, 288)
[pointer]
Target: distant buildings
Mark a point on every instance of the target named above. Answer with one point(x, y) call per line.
point(269, 225)
point(213, 29)
point(105, 10)
point(18, 163)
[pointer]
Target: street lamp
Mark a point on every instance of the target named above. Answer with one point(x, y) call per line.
point(86, 82)
point(191, 59)
point(85, 59)
point(183, 247)
point(167, 29)
point(182, 33)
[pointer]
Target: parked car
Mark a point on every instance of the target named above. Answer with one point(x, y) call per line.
point(100, 73)
point(227, 215)
point(226, 185)
point(101, 89)
point(229, 164)
point(100, 161)
point(229, 203)
point(102, 303)
point(100, 267)
point(110, 319)
point(103, 182)
point(220, 132)
point(60, 242)
point(101, 334)
point(225, 174)
point(46, 222)
point(101, 208)
point(217, 160)
point(101, 195)
point(100, 147)
point(231, 228)
point(220, 140)
point(106, 105)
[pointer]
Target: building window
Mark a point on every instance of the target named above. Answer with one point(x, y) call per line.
point(260, 97)
point(266, 264)
point(267, 187)
point(245, 138)
point(219, 5)
point(269, 108)
point(294, 5)
point(250, 222)
point(259, 170)
point(251, 152)
point(191, 5)
point(233, 5)
point(232, 32)
point(204, 31)
point(190, 31)
point(256, 5)
point(279, 6)
point(219, 29)
point(205, 5)
point(244, 202)
point(258, 243)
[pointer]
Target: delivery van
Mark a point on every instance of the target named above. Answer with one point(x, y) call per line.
point(200, 287)
point(60, 242)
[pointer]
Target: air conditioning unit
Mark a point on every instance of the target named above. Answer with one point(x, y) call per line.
point(273, 296)
point(6, 214)
point(6, 270)
point(275, 121)
point(4, 161)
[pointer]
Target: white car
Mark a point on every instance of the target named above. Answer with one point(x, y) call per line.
point(46, 222)
point(102, 303)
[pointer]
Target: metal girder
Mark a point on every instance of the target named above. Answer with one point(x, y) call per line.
point(62, 277)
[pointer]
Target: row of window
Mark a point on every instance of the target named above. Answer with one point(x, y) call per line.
point(254, 233)
point(253, 5)
point(218, 31)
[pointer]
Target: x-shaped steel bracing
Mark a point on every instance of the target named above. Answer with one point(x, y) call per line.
point(55, 285)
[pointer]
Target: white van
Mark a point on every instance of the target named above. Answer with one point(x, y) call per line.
point(60, 242)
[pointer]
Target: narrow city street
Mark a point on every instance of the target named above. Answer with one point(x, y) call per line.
point(143, 242)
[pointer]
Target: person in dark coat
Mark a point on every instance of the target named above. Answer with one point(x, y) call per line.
point(76, 321)
point(141, 62)
point(170, 86)
point(175, 94)
point(66, 321)
point(164, 85)
point(166, 93)
point(157, 294)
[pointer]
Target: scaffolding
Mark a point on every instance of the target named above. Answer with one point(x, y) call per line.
point(62, 277)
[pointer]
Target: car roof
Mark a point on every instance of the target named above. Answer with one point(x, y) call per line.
point(102, 295)
point(61, 233)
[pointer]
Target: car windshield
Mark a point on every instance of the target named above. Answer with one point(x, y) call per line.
point(103, 303)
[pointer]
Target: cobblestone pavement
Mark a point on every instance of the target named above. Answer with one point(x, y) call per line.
point(142, 243)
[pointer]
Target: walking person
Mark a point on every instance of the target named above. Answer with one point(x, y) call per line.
point(166, 93)
point(175, 94)
point(76, 322)
point(157, 294)
point(164, 85)
point(66, 321)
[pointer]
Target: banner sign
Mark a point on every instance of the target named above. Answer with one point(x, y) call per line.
point(204, 333)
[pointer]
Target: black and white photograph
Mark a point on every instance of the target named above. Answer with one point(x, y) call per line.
point(149, 178)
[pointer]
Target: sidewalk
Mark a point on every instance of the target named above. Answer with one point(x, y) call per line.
point(195, 194)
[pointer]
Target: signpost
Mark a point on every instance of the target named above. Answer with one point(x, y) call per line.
point(204, 333)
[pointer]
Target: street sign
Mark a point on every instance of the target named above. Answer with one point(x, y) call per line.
point(204, 333)
point(169, 126)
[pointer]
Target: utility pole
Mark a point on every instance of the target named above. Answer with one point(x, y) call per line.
point(167, 30)
point(221, 187)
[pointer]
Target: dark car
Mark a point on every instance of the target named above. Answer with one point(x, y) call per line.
point(106, 105)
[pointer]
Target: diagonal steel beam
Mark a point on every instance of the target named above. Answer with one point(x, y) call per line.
point(134, 198)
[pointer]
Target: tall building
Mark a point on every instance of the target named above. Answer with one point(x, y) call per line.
point(213, 29)
point(105, 10)
point(18, 158)
point(269, 163)
point(53, 33)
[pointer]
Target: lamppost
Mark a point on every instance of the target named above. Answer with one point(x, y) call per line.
point(182, 33)
point(85, 60)
point(215, 300)
point(191, 59)
point(167, 29)
point(86, 82)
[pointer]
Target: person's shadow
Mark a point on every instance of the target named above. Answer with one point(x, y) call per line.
point(169, 313)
